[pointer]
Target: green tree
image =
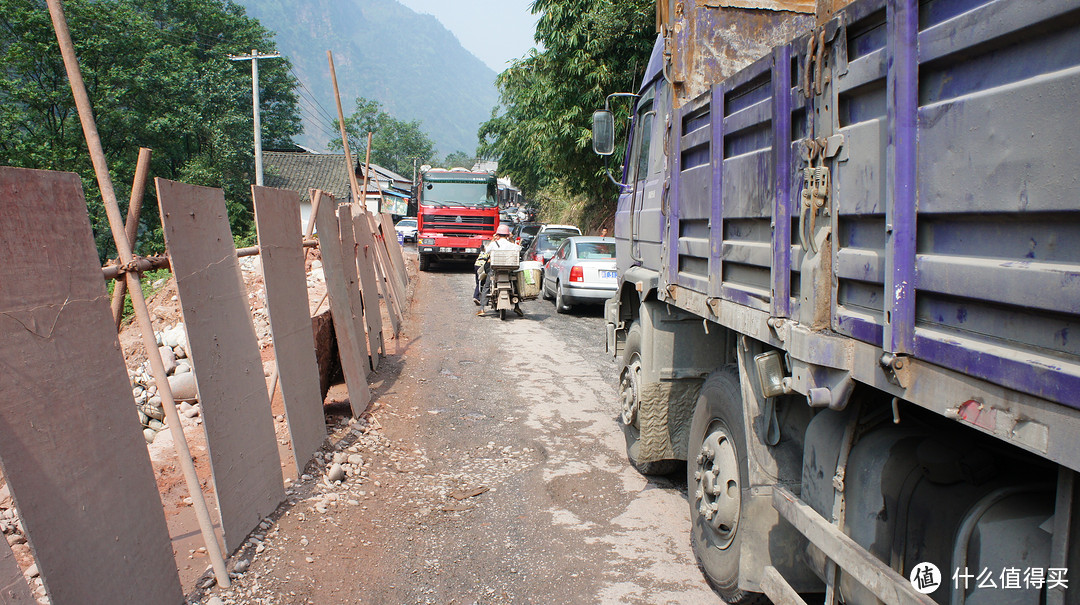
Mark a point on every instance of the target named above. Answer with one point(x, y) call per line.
point(394, 143)
point(158, 76)
point(542, 135)
point(458, 158)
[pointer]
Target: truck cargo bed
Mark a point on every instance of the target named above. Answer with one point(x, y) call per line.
point(950, 132)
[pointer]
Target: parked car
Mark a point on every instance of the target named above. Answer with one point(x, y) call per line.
point(523, 234)
point(545, 244)
point(407, 228)
point(553, 227)
point(581, 272)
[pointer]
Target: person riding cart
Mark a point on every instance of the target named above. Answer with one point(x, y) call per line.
point(482, 267)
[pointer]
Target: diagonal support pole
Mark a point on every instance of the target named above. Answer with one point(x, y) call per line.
point(142, 314)
point(131, 227)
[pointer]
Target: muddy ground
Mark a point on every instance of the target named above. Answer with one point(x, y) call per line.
point(493, 471)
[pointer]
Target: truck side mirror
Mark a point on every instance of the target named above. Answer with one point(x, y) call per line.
point(603, 131)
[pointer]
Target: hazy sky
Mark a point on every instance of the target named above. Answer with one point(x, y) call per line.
point(496, 31)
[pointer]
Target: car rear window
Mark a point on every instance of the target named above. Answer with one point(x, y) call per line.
point(596, 251)
point(550, 242)
point(530, 229)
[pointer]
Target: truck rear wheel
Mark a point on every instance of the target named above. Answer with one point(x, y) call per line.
point(630, 398)
point(425, 261)
point(717, 472)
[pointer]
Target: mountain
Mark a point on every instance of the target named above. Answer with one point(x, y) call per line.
point(383, 51)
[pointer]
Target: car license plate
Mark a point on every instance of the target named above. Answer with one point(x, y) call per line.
point(608, 275)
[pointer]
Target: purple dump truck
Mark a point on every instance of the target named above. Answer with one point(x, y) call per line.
point(849, 304)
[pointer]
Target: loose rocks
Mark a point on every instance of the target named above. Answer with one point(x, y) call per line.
point(336, 473)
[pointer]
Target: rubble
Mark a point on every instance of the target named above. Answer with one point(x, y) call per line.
point(172, 345)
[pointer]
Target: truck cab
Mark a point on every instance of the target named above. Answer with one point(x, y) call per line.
point(457, 211)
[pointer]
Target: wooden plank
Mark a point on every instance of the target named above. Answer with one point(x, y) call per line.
point(71, 447)
point(385, 277)
point(369, 285)
point(390, 236)
point(13, 587)
point(348, 340)
point(352, 281)
point(277, 219)
point(228, 369)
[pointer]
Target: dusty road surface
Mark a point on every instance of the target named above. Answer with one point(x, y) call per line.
point(490, 470)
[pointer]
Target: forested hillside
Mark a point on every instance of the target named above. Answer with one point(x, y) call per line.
point(385, 52)
point(158, 75)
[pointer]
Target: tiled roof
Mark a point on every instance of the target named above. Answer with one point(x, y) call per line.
point(303, 171)
point(387, 174)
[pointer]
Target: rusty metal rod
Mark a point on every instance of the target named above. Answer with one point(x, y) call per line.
point(143, 264)
point(108, 196)
point(131, 227)
point(316, 197)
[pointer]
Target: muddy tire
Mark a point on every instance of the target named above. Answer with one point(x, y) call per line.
point(629, 390)
point(425, 262)
point(716, 475)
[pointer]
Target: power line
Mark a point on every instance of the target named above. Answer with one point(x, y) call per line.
point(311, 95)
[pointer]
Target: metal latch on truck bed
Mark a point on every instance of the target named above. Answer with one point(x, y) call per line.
point(815, 194)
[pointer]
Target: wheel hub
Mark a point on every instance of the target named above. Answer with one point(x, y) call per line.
point(718, 492)
point(629, 395)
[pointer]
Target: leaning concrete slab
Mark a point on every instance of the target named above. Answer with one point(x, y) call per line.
point(369, 284)
point(277, 219)
point(396, 256)
point(13, 588)
point(71, 446)
point(228, 370)
point(385, 275)
point(352, 279)
point(351, 346)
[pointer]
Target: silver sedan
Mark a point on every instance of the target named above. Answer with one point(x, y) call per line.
point(581, 272)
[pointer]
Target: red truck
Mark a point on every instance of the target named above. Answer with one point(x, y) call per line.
point(458, 210)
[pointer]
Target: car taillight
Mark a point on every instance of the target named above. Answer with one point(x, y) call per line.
point(539, 257)
point(576, 274)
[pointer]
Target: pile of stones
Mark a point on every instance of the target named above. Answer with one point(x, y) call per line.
point(173, 345)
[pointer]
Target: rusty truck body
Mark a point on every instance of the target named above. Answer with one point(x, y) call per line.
point(848, 243)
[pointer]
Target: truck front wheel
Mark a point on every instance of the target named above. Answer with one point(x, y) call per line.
point(425, 261)
point(717, 472)
point(630, 400)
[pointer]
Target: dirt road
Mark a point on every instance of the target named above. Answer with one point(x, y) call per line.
point(494, 472)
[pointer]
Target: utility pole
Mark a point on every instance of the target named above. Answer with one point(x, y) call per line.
point(254, 58)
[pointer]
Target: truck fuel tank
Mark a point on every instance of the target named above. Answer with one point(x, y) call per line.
point(915, 494)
